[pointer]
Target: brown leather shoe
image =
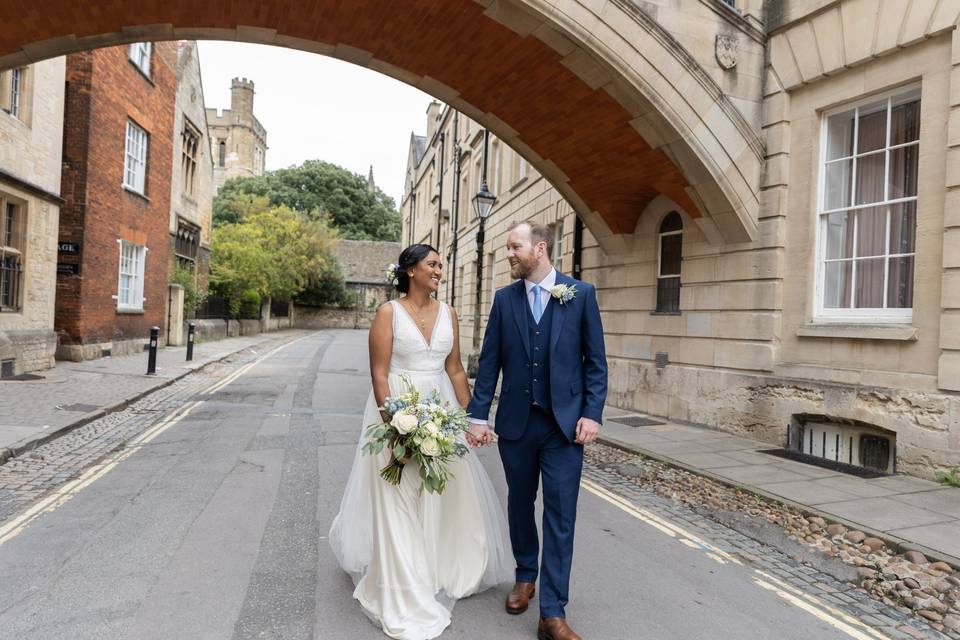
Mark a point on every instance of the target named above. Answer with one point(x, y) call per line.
point(519, 598)
point(555, 629)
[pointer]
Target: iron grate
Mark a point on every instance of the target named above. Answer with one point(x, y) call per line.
point(636, 421)
point(824, 463)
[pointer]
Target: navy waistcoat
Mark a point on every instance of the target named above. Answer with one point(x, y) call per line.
point(540, 352)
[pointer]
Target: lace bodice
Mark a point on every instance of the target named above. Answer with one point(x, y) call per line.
point(411, 353)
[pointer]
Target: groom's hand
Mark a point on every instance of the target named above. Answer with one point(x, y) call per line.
point(478, 435)
point(587, 431)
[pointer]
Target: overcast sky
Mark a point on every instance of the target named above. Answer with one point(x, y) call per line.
point(315, 107)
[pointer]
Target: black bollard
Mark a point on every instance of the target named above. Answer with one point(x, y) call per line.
point(152, 358)
point(191, 328)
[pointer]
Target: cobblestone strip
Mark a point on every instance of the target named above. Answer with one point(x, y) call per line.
point(27, 478)
point(601, 468)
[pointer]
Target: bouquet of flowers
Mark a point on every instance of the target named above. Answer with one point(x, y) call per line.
point(420, 429)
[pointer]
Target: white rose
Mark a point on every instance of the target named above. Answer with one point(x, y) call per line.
point(430, 447)
point(404, 422)
point(431, 428)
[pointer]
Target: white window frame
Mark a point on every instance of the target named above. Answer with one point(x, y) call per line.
point(135, 158)
point(135, 269)
point(823, 315)
point(140, 56)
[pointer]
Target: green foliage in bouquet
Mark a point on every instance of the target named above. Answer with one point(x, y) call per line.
point(420, 429)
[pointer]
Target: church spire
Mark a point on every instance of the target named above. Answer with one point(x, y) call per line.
point(371, 185)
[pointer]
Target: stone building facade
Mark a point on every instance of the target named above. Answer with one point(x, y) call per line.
point(191, 183)
point(31, 135)
point(832, 325)
point(239, 141)
point(116, 181)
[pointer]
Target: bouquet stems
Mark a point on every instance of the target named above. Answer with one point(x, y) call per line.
point(391, 473)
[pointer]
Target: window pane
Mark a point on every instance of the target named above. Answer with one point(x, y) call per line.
point(870, 178)
point(903, 227)
point(871, 231)
point(900, 284)
point(869, 293)
point(872, 130)
point(905, 120)
point(840, 135)
point(839, 235)
point(668, 295)
point(838, 184)
point(670, 252)
point(836, 286)
point(903, 172)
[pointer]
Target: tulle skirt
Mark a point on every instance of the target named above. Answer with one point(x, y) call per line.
point(413, 554)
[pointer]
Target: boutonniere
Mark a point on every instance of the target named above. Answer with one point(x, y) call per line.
point(563, 293)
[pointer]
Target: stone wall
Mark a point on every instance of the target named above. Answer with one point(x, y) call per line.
point(195, 207)
point(332, 318)
point(30, 154)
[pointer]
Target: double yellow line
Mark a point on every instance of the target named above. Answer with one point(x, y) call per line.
point(811, 604)
point(67, 491)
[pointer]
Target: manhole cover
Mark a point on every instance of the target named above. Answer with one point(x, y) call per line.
point(636, 421)
point(85, 408)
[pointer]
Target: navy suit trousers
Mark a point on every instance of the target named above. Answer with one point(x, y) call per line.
point(543, 450)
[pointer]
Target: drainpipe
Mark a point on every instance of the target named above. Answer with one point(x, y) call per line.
point(440, 192)
point(455, 210)
point(577, 246)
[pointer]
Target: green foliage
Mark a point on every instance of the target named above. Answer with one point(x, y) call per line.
point(951, 478)
point(273, 252)
point(318, 190)
point(328, 289)
point(246, 306)
point(193, 296)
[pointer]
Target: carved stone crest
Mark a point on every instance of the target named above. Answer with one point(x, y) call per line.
point(727, 50)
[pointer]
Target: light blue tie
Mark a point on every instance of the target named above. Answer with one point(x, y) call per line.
point(537, 309)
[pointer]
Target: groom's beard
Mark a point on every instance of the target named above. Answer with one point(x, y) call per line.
point(521, 270)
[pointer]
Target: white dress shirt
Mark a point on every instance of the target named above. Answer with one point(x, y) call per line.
point(546, 284)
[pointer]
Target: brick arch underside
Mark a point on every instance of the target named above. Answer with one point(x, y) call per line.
point(578, 136)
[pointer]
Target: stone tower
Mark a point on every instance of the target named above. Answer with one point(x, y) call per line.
point(238, 140)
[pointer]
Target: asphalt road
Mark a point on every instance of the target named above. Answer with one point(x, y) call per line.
point(214, 527)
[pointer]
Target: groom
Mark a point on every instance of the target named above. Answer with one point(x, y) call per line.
point(545, 335)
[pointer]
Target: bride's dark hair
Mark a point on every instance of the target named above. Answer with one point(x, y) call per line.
point(409, 257)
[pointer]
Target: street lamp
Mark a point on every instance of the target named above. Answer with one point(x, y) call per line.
point(483, 205)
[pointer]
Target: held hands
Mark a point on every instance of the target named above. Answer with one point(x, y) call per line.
point(479, 435)
point(587, 431)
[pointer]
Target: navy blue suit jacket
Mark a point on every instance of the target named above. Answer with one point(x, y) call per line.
point(578, 363)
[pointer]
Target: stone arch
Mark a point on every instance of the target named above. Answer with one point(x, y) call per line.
point(607, 105)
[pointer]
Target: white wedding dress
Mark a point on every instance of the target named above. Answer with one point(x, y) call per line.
point(412, 554)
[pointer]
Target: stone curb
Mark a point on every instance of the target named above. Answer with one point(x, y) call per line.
point(899, 545)
point(7, 454)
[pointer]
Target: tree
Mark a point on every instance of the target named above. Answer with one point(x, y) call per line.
point(319, 190)
point(272, 252)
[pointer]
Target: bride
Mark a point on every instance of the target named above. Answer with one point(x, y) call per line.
point(412, 553)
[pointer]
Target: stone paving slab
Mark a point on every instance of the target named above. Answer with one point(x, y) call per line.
point(908, 512)
point(75, 393)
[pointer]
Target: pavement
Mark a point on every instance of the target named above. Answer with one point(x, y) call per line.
point(908, 513)
point(75, 393)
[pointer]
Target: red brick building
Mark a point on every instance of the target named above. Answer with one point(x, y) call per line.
point(117, 163)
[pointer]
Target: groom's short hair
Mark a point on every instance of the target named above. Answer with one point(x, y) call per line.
point(538, 233)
